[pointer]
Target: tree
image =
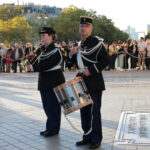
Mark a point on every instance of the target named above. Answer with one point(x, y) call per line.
point(67, 25)
point(13, 27)
point(8, 12)
point(16, 29)
point(37, 21)
point(148, 35)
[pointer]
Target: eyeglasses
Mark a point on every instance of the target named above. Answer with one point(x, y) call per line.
point(84, 25)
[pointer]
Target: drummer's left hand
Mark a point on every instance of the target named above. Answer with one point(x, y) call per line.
point(86, 71)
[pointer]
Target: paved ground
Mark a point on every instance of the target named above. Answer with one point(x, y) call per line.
point(22, 116)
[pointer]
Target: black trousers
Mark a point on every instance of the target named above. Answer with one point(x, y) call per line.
point(52, 109)
point(91, 120)
point(35, 67)
point(126, 57)
point(112, 60)
point(134, 60)
point(147, 61)
point(15, 63)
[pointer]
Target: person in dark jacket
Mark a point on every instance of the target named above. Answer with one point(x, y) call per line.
point(17, 56)
point(134, 54)
point(92, 58)
point(50, 76)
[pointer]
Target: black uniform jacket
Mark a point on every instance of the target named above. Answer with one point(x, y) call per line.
point(49, 77)
point(20, 53)
point(94, 56)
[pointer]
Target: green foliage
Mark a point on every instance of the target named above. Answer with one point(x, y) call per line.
point(13, 27)
point(148, 35)
point(16, 29)
point(8, 12)
point(67, 25)
point(36, 21)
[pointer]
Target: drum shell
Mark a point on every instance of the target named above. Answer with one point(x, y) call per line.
point(72, 95)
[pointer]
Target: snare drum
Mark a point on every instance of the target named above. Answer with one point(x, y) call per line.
point(73, 95)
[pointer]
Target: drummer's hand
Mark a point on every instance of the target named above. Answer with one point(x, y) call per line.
point(73, 50)
point(86, 71)
point(31, 54)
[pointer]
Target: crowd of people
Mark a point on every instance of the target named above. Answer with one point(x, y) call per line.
point(12, 57)
point(130, 55)
point(18, 57)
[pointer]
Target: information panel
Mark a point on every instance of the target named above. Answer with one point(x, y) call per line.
point(133, 129)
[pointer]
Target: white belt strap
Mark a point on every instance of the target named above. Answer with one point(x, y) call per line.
point(54, 68)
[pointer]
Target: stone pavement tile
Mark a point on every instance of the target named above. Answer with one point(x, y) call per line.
point(3, 130)
point(109, 128)
point(7, 138)
point(109, 141)
point(79, 147)
point(143, 147)
point(3, 143)
point(31, 148)
point(131, 147)
point(119, 147)
point(23, 146)
point(106, 146)
point(11, 147)
point(69, 145)
point(51, 146)
point(40, 146)
point(12, 141)
point(2, 135)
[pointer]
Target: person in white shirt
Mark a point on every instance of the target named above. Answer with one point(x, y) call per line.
point(142, 53)
point(3, 52)
point(16, 55)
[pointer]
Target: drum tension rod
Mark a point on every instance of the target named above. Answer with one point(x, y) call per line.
point(81, 94)
point(63, 102)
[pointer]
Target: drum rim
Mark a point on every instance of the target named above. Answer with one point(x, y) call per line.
point(61, 86)
point(78, 79)
point(69, 82)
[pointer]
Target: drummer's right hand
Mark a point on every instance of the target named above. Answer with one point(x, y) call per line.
point(31, 54)
point(73, 51)
point(79, 74)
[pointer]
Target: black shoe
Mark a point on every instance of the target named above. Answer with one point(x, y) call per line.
point(94, 145)
point(80, 143)
point(43, 132)
point(49, 133)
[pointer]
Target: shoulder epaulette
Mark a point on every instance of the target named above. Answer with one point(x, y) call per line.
point(99, 38)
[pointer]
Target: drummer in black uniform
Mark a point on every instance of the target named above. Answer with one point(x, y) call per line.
point(50, 76)
point(92, 58)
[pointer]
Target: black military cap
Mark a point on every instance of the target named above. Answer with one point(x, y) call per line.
point(47, 30)
point(86, 20)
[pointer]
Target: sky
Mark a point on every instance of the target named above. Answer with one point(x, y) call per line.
point(122, 12)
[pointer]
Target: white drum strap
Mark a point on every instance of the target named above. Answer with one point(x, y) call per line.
point(73, 127)
point(80, 61)
point(90, 130)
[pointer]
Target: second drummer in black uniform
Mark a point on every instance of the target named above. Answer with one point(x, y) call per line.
point(92, 58)
point(50, 76)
